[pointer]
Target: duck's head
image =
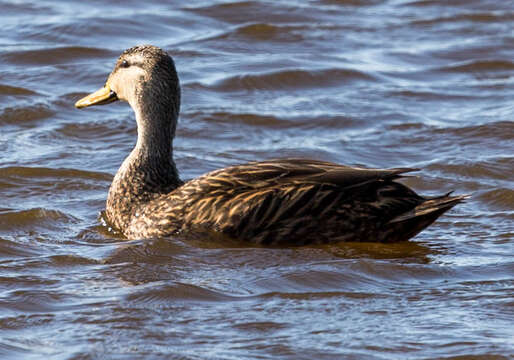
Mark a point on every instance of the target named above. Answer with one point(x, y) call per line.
point(145, 77)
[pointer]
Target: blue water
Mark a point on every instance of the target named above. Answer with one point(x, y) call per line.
point(426, 84)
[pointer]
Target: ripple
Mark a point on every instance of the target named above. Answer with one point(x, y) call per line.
point(15, 90)
point(25, 115)
point(501, 198)
point(66, 260)
point(433, 95)
point(112, 129)
point(252, 11)
point(254, 120)
point(484, 17)
point(9, 249)
point(166, 293)
point(480, 66)
point(33, 301)
point(493, 168)
point(26, 281)
point(51, 56)
point(262, 32)
point(33, 218)
point(351, 2)
point(497, 130)
point(423, 3)
point(25, 321)
point(291, 79)
point(29, 182)
point(12, 350)
point(42, 172)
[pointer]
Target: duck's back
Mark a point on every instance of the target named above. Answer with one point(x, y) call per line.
point(292, 202)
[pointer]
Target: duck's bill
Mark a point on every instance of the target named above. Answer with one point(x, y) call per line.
point(100, 97)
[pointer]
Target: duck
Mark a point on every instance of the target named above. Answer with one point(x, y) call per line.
point(277, 202)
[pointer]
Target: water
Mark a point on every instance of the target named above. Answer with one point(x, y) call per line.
point(418, 83)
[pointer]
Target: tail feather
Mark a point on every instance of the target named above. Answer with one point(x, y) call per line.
point(437, 204)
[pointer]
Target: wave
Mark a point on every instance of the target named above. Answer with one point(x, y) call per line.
point(53, 55)
point(18, 172)
point(291, 79)
point(17, 220)
point(479, 66)
point(25, 115)
point(172, 292)
point(15, 90)
point(11, 248)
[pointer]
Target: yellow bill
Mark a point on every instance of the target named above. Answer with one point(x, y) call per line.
point(100, 97)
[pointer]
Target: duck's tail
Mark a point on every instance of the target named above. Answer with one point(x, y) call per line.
point(412, 222)
point(438, 205)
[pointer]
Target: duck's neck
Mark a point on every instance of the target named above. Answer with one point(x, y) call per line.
point(149, 171)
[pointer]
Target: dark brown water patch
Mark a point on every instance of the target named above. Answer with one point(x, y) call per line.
point(33, 301)
point(263, 122)
point(485, 17)
point(65, 260)
point(471, 134)
point(500, 168)
point(252, 11)
point(433, 95)
point(10, 248)
point(155, 294)
point(261, 326)
point(26, 281)
point(317, 281)
point(52, 56)
point(498, 198)
point(292, 79)
point(407, 126)
point(158, 251)
point(479, 66)
point(408, 251)
point(254, 120)
point(324, 295)
point(111, 129)
point(25, 321)
point(262, 32)
point(31, 182)
point(25, 116)
point(56, 173)
point(33, 218)
point(473, 356)
point(454, 3)
point(15, 90)
point(351, 2)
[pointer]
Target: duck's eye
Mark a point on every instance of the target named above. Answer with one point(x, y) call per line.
point(124, 64)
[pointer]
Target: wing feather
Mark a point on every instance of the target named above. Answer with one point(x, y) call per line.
point(263, 201)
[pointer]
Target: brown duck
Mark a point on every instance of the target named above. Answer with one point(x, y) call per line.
point(274, 202)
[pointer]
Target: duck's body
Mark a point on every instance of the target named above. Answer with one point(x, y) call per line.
point(284, 201)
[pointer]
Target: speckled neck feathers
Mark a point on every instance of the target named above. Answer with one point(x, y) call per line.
point(149, 170)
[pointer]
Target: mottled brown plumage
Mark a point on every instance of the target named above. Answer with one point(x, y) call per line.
point(274, 202)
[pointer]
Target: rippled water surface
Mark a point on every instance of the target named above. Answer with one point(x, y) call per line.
point(418, 83)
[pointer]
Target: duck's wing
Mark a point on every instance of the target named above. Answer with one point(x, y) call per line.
point(263, 174)
point(294, 200)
